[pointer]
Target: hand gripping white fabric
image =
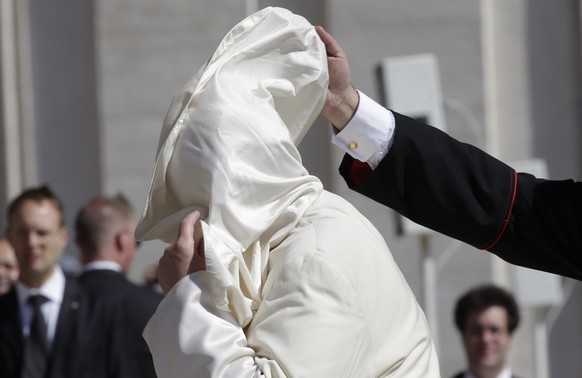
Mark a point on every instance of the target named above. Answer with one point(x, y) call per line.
point(228, 149)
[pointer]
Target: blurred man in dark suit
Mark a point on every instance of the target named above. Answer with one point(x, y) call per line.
point(105, 236)
point(48, 326)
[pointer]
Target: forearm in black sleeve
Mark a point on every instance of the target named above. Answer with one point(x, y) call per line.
point(545, 227)
point(460, 191)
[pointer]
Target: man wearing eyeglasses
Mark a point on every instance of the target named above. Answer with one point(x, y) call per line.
point(486, 317)
point(49, 328)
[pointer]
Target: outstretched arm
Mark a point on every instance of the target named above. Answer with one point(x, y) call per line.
point(449, 186)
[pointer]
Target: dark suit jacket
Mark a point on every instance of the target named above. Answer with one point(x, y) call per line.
point(460, 375)
point(86, 339)
point(460, 191)
point(138, 305)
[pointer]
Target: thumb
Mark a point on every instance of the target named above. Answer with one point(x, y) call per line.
point(187, 224)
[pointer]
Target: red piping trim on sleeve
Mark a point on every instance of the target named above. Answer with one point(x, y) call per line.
point(510, 209)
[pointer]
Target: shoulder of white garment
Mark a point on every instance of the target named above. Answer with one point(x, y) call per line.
point(368, 135)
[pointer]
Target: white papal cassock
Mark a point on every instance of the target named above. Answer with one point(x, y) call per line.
point(298, 282)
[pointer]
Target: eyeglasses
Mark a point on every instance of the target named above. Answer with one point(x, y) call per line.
point(480, 331)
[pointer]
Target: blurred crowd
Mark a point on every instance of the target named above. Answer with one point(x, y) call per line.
point(55, 324)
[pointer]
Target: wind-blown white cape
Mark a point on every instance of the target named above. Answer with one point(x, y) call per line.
point(298, 283)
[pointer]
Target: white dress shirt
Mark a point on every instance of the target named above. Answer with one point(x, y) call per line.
point(506, 373)
point(102, 265)
point(369, 134)
point(53, 290)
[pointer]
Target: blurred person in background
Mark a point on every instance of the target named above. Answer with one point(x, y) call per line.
point(48, 326)
point(8, 267)
point(487, 316)
point(105, 229)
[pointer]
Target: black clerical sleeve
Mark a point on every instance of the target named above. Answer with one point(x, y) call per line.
point(460, 191)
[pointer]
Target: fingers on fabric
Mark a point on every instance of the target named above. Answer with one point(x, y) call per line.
point(182, 257)
point(170, 268)
point(332, 47)
point(186, 232)
point(190, 243)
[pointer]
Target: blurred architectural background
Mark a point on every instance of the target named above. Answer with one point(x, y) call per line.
point(85, 86)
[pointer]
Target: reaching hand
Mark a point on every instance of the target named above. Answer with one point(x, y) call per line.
point(185, 255)
point(342, 99)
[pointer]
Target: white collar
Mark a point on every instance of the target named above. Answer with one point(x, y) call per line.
point(53, 289)
point(506, 373)
point(102, 265)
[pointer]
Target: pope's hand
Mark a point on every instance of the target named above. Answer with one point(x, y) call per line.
point(185, 255)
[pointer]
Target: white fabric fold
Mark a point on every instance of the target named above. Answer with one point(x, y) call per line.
point(298, 282)
point(228, 149)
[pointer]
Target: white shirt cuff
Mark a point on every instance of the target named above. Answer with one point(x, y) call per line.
point(369, 134)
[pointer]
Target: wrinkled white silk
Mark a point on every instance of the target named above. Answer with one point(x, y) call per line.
point(227, 148)
point(298, 282)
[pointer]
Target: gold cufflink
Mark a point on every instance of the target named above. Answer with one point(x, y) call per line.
point(352, 145)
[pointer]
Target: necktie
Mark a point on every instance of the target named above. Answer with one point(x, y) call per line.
point(36, 344)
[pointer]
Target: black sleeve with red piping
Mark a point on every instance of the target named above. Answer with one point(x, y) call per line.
point(460, 191)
